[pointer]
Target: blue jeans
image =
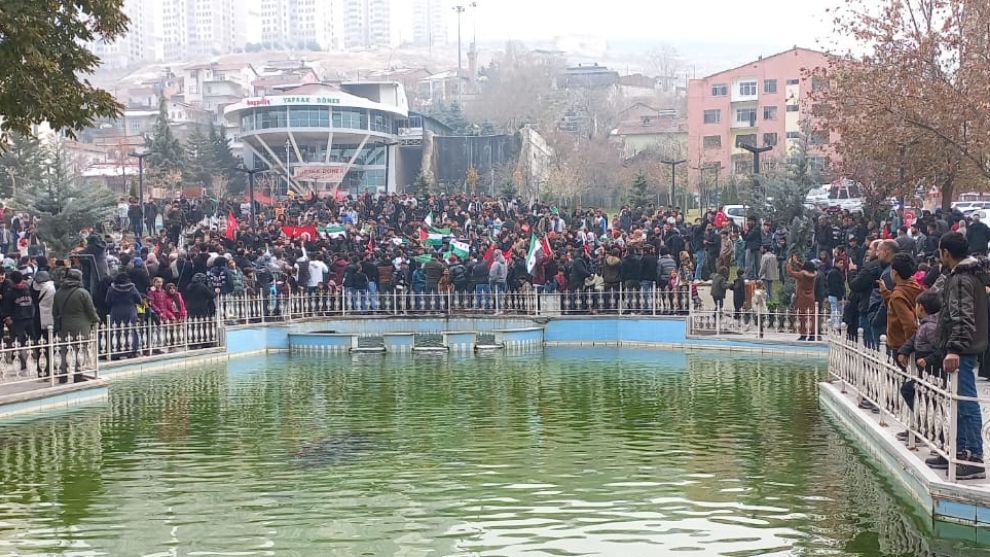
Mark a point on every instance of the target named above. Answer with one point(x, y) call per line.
point(768, 285)
point(699, 263)
point(868, 338)
point(482, 292)
point(752, 264)
point(646, 288)
point(835, 308)
point(968, 431)
point(373, 295)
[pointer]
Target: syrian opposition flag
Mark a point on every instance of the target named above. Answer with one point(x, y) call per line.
point(460, 249)
point(429, 220)
point(430, 238)
point(231, 226)
point(539, 249)
point(333, 231)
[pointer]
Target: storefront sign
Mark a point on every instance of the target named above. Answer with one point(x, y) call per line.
point(333, 173)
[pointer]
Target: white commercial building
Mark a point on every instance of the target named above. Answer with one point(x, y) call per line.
point(324, 137)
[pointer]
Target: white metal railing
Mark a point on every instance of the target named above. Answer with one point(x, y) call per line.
point(773, 325)
point(40, 362)
point(152, 337)
point(315, 304)
point(931, 416)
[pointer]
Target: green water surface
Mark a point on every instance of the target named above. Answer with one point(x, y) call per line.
point(568, 452)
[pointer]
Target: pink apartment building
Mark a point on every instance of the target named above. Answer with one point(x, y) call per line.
point(762, 103)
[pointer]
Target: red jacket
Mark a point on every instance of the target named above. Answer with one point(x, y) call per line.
point(168, 308)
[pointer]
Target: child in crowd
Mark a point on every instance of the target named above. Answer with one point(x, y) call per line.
point(921, 345)
point(739, 293)
point(901, 321)
point(720, 285)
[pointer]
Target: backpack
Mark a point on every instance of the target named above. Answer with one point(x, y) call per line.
point(302, 278)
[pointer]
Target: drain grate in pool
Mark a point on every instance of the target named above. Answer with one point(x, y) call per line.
point(428, 340)
point(371, 342)
point(485, 339)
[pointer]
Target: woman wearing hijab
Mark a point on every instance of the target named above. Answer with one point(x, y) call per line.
point(122, 299)
point(199, 297)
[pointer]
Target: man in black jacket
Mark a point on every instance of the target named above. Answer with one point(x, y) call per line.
point(978, 235)
point(962, 337)
point(754, 240)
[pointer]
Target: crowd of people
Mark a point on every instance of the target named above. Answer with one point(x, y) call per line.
point(919, 280)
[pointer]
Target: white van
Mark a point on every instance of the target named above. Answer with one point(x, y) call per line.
point(843, 195)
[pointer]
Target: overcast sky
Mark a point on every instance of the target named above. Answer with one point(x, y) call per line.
point(784, 22)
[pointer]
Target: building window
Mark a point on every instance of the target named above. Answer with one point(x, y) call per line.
point(819, 138)
point(746, 115)
point(793, 135)
point(818, 84)
point(747, 139)
point(720, 90)
point(742, 166)
point(712, 142)
point(769, 139)
point(747, 89)
point(769, 85)
point(769, 112)
point(818, 164)
point(713, 116)
point(793, 108)
point(793, 81)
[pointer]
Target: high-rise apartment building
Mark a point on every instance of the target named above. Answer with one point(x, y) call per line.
point(368, 24)
point(297, 23)
point(138, 44)
point(765, 103)
point(194, 28)
point(430, 22)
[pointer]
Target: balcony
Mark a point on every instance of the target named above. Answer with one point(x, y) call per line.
point(745, 90)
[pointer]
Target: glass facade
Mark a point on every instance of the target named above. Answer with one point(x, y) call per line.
point(269, 117)
point(313, 117)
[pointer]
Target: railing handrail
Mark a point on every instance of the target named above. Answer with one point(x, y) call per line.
point(873, 375)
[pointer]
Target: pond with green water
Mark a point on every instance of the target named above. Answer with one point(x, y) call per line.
point(563, 452)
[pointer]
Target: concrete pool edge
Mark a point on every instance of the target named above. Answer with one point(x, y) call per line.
point(514, 334)
point(942, 501)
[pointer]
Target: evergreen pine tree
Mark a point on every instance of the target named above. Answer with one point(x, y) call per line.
point(63, 205)
point(226, 161)
point(200, 160)
point(421, 186)
point(164, 163)
point(22, 164)
point(456, 119)
point(639, 195)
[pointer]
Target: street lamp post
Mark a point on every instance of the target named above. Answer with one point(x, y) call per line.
point(460, 10)
point(673, 176)
point(251, 172)
point(140, 157)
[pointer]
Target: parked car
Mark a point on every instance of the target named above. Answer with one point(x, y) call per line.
point(737, 213)
point(843, 195)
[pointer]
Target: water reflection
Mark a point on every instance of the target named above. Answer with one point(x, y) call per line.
point(590, 452)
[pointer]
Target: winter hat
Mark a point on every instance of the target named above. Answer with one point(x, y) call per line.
point(42, 277)
point(74, 274)
point(138, 262)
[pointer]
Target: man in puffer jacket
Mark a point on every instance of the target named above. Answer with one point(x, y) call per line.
point(962, 337)
point(18, 308)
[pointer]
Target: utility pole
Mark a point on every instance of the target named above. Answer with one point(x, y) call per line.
point(673, 177)
point(251, 172)
point(460, 65)
point(288, 183)
point(140, 157)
